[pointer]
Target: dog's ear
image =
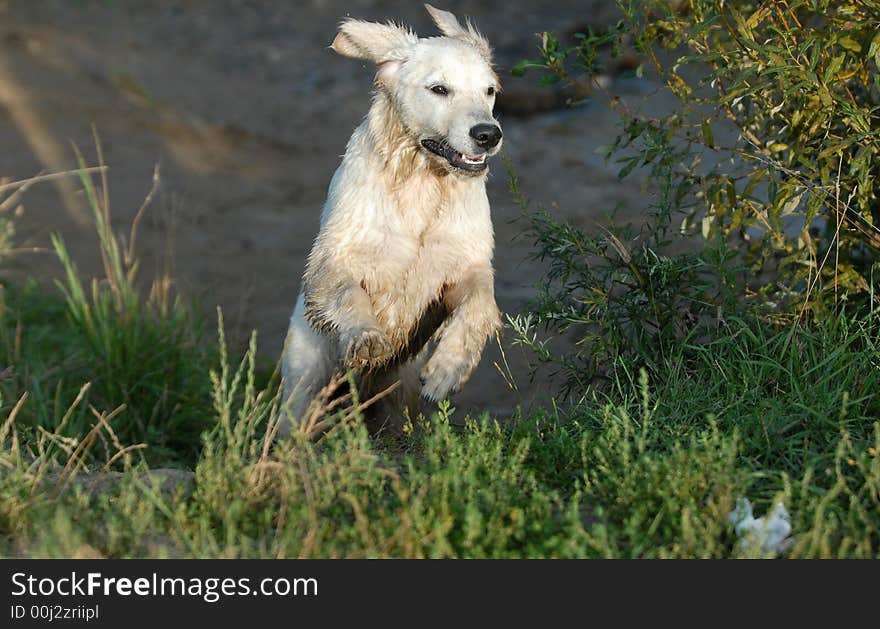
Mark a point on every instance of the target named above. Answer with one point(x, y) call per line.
point(374, 42)
point(450, 26)
point(446, 22)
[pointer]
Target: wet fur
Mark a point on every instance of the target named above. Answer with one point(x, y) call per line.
point(399, 283)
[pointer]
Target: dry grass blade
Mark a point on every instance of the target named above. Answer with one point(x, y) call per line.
point(7, 425)
point(506, 373)
point(70, 409)
point(841, 218)
point(121, 453)
point(14, 185)
point(318, 407)
point(78, 457)
point(132, 236)
point(322, 428)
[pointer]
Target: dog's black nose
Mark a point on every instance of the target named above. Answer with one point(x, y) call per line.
point(486, 135)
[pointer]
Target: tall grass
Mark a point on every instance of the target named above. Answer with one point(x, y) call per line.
point(103, 386)
point(624, 477)
point(143, 356)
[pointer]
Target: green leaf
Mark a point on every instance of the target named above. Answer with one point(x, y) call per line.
point(850, 44)
point(626, 170)
point(521, 67)
point(834, 66)
point(791, 205)
point(708, 138)
point(753, 181)
point(874, 50)
point(731, 193)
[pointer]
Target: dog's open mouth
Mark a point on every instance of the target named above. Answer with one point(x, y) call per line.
point(470, 163)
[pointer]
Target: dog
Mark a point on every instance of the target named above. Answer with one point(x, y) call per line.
point(399, 284)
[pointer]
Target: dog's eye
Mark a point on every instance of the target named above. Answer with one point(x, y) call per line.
point(490, 91)
point(441, 90)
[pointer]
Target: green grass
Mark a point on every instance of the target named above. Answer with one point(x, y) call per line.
point(105, 348)
point(650, 470)
point(105, 389)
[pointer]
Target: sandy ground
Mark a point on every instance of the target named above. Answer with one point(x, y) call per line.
point(247, 112)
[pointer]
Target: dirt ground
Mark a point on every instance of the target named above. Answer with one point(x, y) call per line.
point(247, 111)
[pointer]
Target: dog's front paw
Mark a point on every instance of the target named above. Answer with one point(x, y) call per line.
point(368, 349)
point(441, 378)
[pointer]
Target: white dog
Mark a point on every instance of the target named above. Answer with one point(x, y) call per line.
point(402, 264)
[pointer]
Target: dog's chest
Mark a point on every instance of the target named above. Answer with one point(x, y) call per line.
point(414, 270)
point(414, 240)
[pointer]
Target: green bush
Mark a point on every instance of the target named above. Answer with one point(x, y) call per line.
point(774, 226)
point(798, 84)
point(621, 294)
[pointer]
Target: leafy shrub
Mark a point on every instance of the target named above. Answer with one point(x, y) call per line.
point(626, 295)
point(798, 84)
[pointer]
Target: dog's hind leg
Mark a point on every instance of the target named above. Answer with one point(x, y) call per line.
point(399, 401)
point(306, 367)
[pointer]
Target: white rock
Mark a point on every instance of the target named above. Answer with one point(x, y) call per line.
point(770, 533)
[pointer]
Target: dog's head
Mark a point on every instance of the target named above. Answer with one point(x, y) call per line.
point(442, 88)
